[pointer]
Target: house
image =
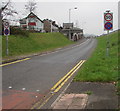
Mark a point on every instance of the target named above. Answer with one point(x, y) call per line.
point(32, 22)
point(50, 26)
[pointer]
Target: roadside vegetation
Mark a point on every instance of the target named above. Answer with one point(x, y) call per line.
point(20, 44)
point(99, 67)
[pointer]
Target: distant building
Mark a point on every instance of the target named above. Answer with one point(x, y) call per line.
point(67, 25)
point(32, 22)
point(73, 33)
point(50, 26)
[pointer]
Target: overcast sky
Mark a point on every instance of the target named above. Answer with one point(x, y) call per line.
point(88, 15)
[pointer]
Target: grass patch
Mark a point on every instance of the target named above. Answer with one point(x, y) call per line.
point(36, 42)
point(100, 68)
point(88, 92)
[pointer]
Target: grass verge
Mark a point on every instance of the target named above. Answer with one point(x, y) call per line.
point(99, 67)
point(36, 42)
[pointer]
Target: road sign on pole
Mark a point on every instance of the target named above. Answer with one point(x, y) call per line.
point(6, 33)
point(6, 29)
point(108, 25)
point(108, 21)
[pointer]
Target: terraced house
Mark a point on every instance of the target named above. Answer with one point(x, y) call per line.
point(32, 22)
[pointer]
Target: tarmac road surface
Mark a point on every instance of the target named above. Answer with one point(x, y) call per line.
point(26, 82)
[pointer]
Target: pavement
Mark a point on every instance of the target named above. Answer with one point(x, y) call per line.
point(88, 95)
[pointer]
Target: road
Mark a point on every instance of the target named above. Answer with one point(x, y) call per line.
point(26, 82)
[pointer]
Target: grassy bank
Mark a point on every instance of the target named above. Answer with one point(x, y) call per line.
point(36, 42)
point(99, 67)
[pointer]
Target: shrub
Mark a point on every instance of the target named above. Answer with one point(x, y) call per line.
point(17, 31)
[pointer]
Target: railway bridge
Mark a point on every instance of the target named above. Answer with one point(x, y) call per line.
point(73, 33)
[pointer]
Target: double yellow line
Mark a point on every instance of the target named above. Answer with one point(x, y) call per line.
point(59, 84)
point(64, 79)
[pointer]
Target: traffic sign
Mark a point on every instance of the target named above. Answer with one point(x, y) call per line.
point(108, 16)
point(108, 21)
point(6, 24)
point(6, 29)
point(108, 26)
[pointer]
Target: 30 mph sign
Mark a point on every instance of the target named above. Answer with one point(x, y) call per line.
point(108, 21)
point(108, 16)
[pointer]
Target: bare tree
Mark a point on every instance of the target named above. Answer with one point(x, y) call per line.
point(31, 6)
point(3, 8)
point(7, 10)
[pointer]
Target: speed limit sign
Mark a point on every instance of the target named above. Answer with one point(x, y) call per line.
point(108, 21)
point(108, 16)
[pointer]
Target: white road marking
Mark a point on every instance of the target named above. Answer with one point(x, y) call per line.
point(10, 87)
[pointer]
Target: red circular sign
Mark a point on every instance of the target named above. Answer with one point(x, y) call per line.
point(108, 16)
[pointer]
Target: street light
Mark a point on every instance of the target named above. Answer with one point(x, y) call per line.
point(70, 13)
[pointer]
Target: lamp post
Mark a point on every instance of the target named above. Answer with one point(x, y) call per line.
point(70, 14)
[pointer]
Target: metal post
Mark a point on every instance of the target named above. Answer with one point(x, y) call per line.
point(69, 15)
point(107, 48)
point(51, 26)
point(7, 51)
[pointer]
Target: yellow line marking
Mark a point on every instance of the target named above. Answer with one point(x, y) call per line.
point(64, 76)
point(69, 74)
point(36, 104)
point(45, 102)
point(57, 89)
point(14, 62)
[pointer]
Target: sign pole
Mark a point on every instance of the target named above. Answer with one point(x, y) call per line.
point(7, 50)
point(107, 46)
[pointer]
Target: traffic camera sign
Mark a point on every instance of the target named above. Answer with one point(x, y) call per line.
point(108, 21)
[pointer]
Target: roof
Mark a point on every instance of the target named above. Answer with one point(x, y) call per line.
point(51, 21)
point(34, 15)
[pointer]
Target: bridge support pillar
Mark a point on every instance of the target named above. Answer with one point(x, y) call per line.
point(69, 35)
